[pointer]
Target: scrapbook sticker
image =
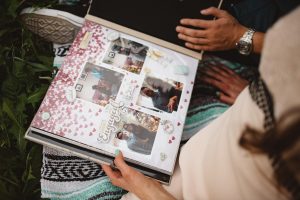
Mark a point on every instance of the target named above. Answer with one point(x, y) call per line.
point(86, 40)
point(129, 91)
point(70, 93)
point(113, 35)
point(181, 70)
point(171, 139)
point(168, 127)
point(163, 156)
point(45, 116)
point(109, 126)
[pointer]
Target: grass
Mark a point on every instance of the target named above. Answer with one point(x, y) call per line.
point(23, 58)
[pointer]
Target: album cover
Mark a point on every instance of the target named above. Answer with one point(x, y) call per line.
point(119, 89)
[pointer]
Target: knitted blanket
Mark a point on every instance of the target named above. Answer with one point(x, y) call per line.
point(65, 176)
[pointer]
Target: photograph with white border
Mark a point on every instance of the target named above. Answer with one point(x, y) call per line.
point(126, 54)
point(160, 94)
point(98, 84)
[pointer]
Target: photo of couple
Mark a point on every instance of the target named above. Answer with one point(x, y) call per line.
point(98, 84)
point(137, 132)
point(160, 95)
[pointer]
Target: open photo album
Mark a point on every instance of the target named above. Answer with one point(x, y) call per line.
point(119, 89)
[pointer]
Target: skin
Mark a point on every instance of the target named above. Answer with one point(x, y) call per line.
point(134, 181)
point(227, 81)
point(148, 92)
point(215, 35)
point(172, 103)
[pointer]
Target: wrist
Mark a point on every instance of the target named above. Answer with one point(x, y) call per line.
point(241, 30)
point(237, 34)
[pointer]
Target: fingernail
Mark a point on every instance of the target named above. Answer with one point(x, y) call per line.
point(203, 11)
point(117, 152)
point(178, 28)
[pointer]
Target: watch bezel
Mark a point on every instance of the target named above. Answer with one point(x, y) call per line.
point(244, 47)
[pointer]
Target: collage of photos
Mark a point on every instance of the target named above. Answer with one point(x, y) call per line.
point(98, 84)
point(136, 132)
point(160, 94)
point(126, 54)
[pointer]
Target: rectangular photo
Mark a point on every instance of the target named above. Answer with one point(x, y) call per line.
point(136, 132)
point(126, 54)
point(98, 84)
point(160, 94)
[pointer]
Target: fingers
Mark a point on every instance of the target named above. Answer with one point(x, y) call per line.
point(226, 69)
point(225, 80)
point(196, 23)
point(214, 12)
point(217, 73)
point(226, 99)
point(216, 83)
point(199, 47)
point(120, 163)
point(118, 177)
point(191, 32)
point(113, 175)
point(193, 40)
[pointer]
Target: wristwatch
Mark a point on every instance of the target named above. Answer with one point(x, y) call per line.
point(244, 45)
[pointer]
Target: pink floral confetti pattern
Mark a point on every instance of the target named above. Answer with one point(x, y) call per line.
point(65, 117)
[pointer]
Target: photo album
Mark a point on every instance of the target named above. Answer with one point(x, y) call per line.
point(119, 89)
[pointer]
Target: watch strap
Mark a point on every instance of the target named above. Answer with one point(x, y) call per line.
point(248, 35)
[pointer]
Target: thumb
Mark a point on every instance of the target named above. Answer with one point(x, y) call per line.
point(214, 12)
point(119, 162)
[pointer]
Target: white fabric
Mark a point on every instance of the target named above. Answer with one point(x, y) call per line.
point(212, 165)
point(280, 67)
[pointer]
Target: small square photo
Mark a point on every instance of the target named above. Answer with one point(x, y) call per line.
point(98, 84)
point(136, 132)
point(126, 54)
point(83, 76)
point(111, 54)
point(78, 87)
point(160, 94)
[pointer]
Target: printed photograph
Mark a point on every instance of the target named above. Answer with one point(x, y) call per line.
point(136, 132)
point(160, 94)
point(126, 54)
point(98, 84)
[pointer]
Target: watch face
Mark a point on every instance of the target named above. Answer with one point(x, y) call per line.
point(244, 47)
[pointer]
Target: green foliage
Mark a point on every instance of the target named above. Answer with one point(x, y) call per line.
point(23, 58)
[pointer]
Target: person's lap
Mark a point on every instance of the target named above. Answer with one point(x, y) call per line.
point(86, 179)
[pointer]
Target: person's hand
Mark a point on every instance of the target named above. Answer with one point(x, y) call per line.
point(172, 103)
point(134, 181)
point(211, 35)
point(226, 80)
